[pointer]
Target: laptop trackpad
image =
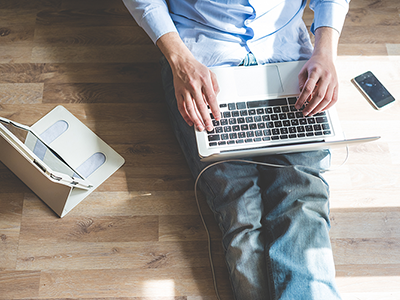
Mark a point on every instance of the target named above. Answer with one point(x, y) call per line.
point(258, 80)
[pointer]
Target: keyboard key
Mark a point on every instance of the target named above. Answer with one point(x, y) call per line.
point(244, 127)
point(252, 112)
point(241, 135)
point(277, 109)
point(267, 132)
point(227, 129)
point(275, 131)
point(236, 128)
point(250, 133)
point(321, 119)
point(241, 105)
point(213, 144)
point(226, 114)
point(292, 100)
point(231, 106)
point(253, 126)
point(261, 125)
point(224, 136)
point(249, 120)
point(265, 103)
point(214, 137)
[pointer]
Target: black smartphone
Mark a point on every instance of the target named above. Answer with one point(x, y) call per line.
point(373, 90)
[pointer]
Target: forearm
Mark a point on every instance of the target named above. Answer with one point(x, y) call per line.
point(326, 42)
point(173, 48)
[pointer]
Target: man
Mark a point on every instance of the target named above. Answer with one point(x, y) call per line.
point(274, 220)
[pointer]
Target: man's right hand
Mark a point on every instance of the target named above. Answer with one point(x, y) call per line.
point(195, 85)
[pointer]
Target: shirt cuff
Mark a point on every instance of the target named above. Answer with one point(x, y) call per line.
point(330, 14)
point(156, 24)
point(153, 17)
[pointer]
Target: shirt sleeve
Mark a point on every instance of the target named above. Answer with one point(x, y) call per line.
point(329, 13)
point(152, 15)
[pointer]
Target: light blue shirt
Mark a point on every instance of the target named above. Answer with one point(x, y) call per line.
point(222, 32)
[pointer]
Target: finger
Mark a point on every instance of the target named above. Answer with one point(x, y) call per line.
point(306, 92)
point(335, 98)
point(321, 94)
point(182, 109)
point(192, 112)
point(211, 97)
point(203, 112)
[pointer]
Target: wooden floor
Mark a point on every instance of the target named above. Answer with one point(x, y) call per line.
point(139, 235)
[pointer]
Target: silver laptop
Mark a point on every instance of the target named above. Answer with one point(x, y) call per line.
point(258, 116)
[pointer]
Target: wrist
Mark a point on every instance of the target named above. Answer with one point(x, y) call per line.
point(326, 42)
point(173, 48)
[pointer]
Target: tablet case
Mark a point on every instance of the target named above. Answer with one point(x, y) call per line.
point(62, 161)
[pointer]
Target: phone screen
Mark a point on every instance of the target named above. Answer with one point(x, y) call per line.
point(376, 93)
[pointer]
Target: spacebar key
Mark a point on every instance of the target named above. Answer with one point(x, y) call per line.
point(265, 103)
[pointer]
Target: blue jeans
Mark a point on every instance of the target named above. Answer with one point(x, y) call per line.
point(274, 221)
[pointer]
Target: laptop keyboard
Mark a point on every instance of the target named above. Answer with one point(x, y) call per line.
point(265, 120)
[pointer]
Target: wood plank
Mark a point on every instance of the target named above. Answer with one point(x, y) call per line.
point(19, 284)
point(131, 203)
point(134, 255)
point(101, 92)
point(10, 222)
point(89, 229)
point(21, 93)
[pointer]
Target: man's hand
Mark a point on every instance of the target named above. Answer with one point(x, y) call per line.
point(318, 82)
point(195, 85)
